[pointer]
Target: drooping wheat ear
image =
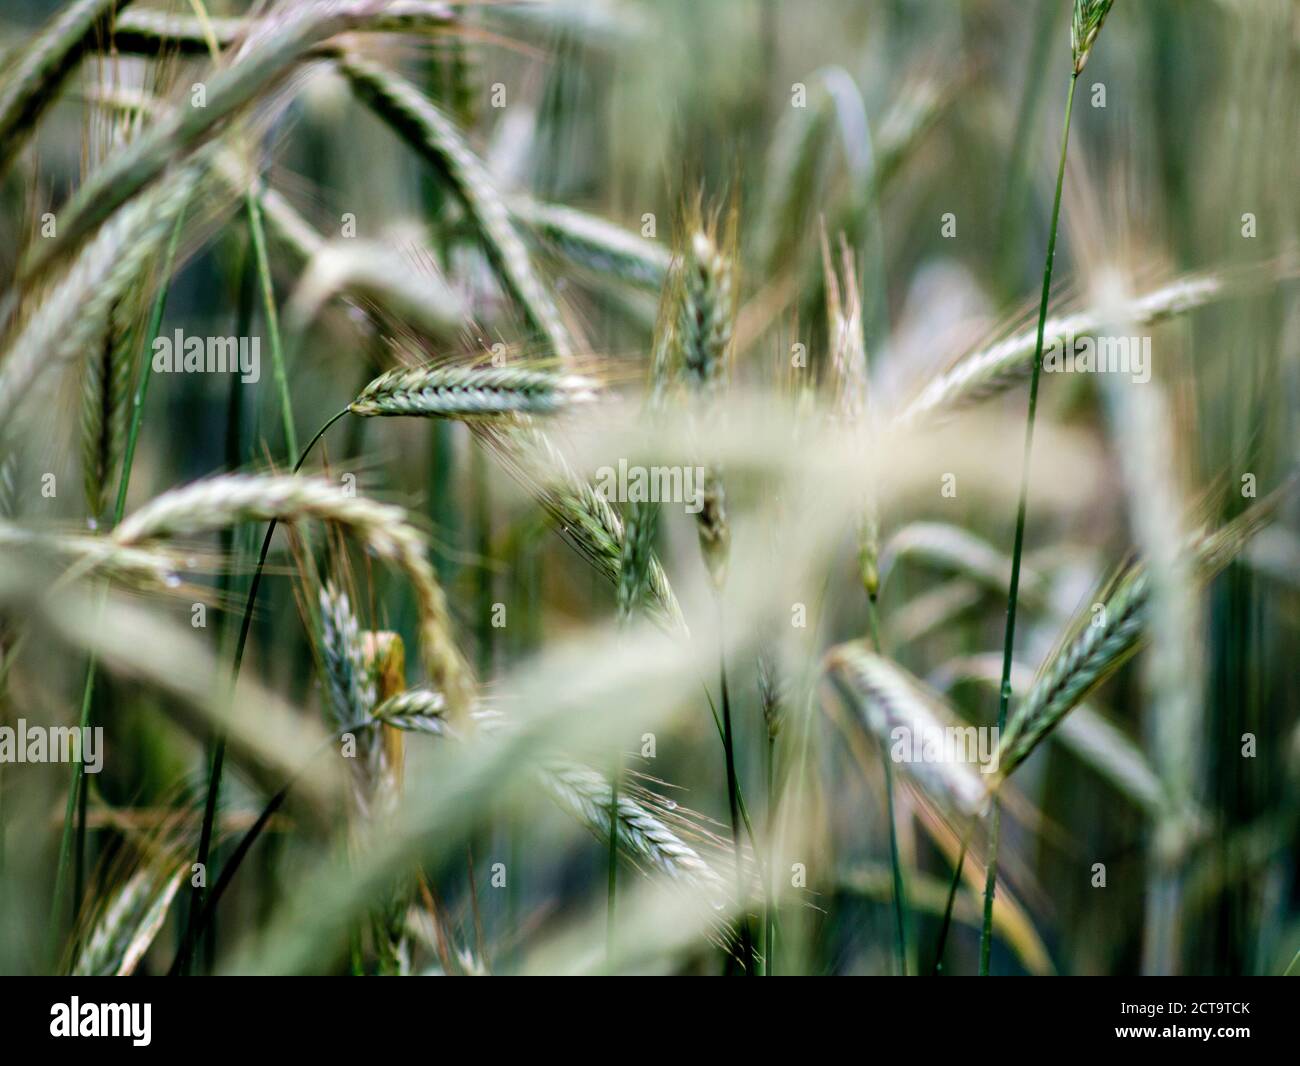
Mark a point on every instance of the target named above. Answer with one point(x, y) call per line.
point(281, 43)
point(41, 65)
point(218, 503)
point(427, 130)
point(1105, 639)
point(160, 33)
point(584, 517)
point(704, 326)
point(418, 710)
point(894, 705)
point(446, 391)
point(75, 312)
point(994, 370)
point(106, 395)
point(594, 244)
point(585, 793)
point(1084, 27)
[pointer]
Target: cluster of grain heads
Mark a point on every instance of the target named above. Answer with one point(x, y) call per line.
point(118, 925)
point(465, 392)
point(1105, 643)
point(153, 568)
point(903, 716)
point(221, 502)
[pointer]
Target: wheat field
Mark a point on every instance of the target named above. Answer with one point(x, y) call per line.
point(649, 487)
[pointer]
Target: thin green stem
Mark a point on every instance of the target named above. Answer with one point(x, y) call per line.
point(1004, 691)
point(733, 801)
point(900, 896)
point(895, 863)
point(947, 910)
point(272, 319)
point(217, 764)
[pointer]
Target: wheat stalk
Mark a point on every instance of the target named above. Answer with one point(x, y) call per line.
point(950, 547)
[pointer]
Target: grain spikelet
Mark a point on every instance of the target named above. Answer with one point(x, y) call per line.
point(448, 391)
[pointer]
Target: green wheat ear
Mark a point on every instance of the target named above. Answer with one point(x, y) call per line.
point(1084, 27)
